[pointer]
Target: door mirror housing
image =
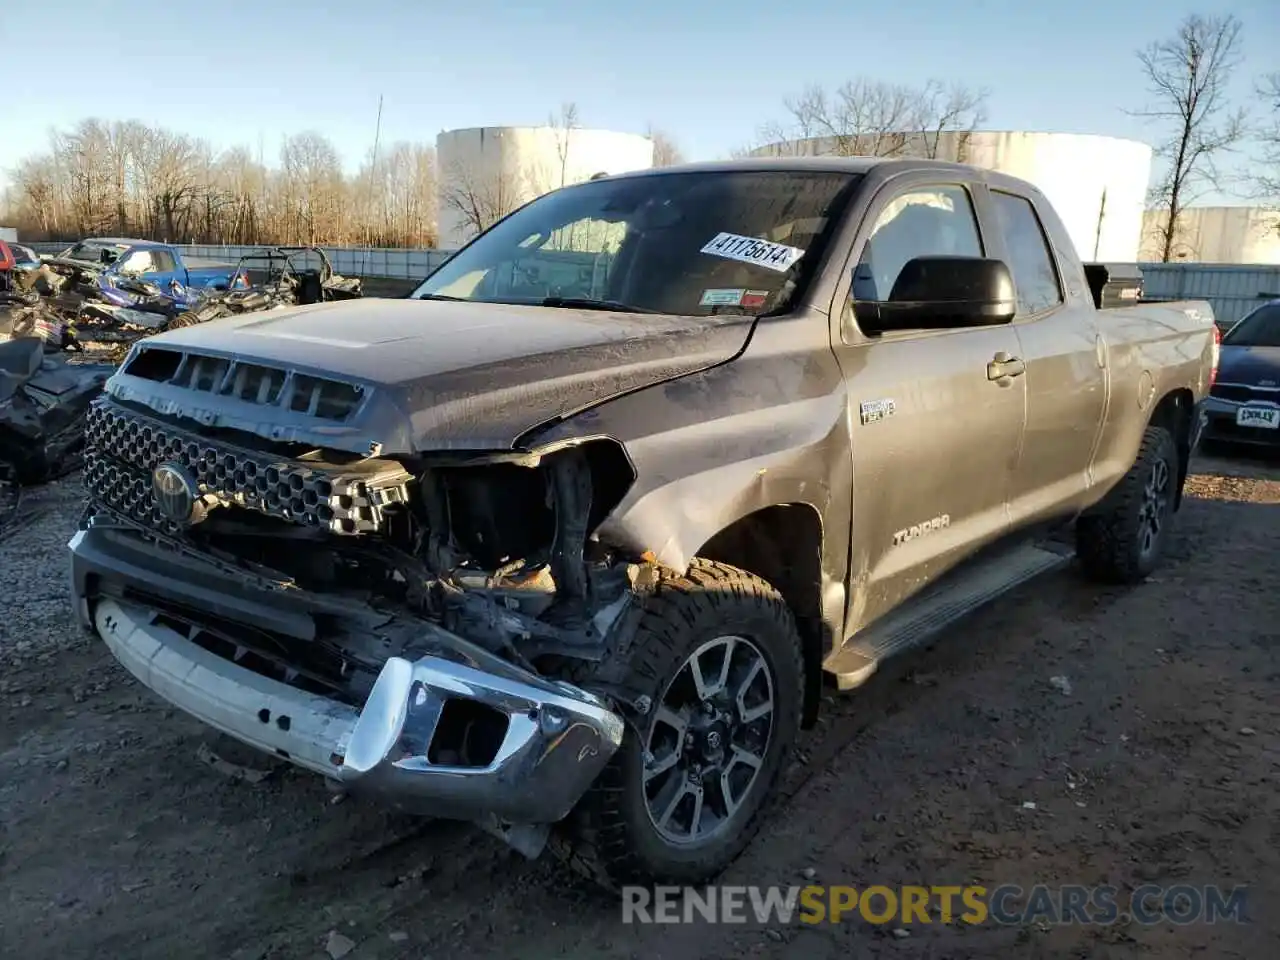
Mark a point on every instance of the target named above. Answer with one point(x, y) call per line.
point(942, 293)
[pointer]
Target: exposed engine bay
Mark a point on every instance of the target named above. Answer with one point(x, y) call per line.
point(493, 548)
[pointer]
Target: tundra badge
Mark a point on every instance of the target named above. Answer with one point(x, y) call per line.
point(872, 411)
point(917, 530)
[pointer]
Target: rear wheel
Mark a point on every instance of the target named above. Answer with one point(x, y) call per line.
point(718, 655)
point(1124, 539)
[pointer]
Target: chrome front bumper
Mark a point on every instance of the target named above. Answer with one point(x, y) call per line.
point(558, 738)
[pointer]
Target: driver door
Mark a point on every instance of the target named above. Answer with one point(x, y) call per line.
point(935, 439)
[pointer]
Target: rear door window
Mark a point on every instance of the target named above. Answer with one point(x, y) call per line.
point(162, 262)
point(1030, 257)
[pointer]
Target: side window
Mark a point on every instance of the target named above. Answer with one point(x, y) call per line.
point(162, 261)
point(925, 222)
point(136, 263)
point(1030, 258)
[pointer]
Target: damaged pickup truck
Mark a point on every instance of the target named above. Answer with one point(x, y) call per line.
point(566, 543)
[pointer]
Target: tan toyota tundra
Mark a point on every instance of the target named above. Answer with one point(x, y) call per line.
point(567, 542)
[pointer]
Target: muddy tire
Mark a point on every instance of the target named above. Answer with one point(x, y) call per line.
point(687, 789)
point(1122, 541)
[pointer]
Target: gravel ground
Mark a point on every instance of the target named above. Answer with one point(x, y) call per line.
point(1158, 766)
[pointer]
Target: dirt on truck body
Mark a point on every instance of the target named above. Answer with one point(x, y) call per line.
point(566, 543)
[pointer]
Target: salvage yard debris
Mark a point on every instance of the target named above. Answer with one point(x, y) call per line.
point(43, 402)
point(98, 296)
point(68, 321)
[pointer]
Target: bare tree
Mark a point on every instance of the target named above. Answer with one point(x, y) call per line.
point(313, 186)
point(564, 126)
point(666, 153)
point(1266, 180)
point(865, 117)
point(1187, 75)
point(954, 109)
point(170, 166)
point(479, 200)
point(127, 179)
point(82, 156)
point(407, 191)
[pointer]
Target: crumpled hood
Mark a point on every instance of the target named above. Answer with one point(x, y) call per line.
point(1249, 365)
point(454, 375)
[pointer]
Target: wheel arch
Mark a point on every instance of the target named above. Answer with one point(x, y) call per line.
point(1176, 413)
point(782, 544)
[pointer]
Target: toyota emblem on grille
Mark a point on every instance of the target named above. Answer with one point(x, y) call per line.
point(175, 491)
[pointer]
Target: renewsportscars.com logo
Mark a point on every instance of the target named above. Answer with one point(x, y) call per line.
point(1008, 904)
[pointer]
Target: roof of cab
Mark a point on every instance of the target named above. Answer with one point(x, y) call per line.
point(117, 241)
point(825, 164)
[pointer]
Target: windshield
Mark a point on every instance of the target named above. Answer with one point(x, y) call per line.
point(684, 243)
point(1259, 329)
point(88, 250)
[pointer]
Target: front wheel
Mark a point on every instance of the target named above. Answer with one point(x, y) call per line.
point(719, 657)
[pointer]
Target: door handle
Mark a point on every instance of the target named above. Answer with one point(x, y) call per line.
point(1003, 366)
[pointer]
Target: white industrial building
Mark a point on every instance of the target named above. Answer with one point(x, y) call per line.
point(1098, 185)
point(1216, 235)
point(486, 172)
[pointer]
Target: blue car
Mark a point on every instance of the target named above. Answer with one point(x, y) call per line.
point(112, 267)
point(1244, 404)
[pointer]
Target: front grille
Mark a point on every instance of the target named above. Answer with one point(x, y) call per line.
point(253, 383)
point(123, 447)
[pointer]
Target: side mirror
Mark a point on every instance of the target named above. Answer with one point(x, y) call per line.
point(941, 293)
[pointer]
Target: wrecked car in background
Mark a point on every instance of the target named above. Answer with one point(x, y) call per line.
point(566, 543)
point(25, 259)
point(125, 307)
point(19, 302)
point(102, 264)
point(278, 277)
point(43, 403)
point(113, 291)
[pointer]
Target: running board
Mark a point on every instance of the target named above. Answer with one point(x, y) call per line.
point(920, 618)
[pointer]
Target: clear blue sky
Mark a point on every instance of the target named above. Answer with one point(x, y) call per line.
point(710, 73)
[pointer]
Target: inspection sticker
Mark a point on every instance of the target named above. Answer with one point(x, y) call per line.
point(754, 298)
point(716, 298)
point(763, 253)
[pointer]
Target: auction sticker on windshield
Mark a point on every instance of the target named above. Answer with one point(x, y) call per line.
point(763, 253)
point(1266, 417)
point(721, 298)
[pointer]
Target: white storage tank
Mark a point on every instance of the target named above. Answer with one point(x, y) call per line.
point(486, 172)
point(1098, 185)
point(1216, 235)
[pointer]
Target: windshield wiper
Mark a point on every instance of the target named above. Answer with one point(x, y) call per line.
point(438, 296)
point(586, 303)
